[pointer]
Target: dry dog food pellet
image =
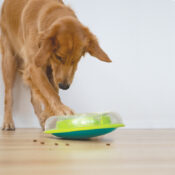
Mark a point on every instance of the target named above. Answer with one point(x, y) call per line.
point(56, 144)
point(67, 144)
point(42, 143)
point(108, 144)
point(34, 140)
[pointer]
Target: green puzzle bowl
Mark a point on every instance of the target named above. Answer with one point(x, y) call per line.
point(82, 126)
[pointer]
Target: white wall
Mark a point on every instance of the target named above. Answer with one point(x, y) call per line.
point(139, 36)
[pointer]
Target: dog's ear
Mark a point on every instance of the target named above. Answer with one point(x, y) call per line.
point(47, 43)
point(43, 53)
point(94, 48)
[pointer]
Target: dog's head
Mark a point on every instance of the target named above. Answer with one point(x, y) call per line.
point(62, 47)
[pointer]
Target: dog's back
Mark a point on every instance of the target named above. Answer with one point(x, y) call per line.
point(11, 18)
point(22, 18)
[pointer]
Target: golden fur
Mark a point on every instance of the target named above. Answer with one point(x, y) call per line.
point(44, 40)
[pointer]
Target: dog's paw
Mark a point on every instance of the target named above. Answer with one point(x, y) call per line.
point(64, 110)
point(8, 126)
point(60, 110)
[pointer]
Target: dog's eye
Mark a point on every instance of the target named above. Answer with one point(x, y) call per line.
point(59, 58)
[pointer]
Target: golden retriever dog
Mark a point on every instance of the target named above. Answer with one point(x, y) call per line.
point(44, 41)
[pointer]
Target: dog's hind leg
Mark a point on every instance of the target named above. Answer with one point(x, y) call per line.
point(8, 71)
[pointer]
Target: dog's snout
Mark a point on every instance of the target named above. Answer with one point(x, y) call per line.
point(64, 86)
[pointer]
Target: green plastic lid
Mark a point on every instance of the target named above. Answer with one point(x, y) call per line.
point(103, 122)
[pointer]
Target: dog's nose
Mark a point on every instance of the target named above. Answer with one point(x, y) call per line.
point(64, 86)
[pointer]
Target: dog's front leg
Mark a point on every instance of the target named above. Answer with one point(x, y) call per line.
point(41, 107)
point(39, 79)
point(37, 105)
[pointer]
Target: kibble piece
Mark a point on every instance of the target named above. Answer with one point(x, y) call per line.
point(67, 144)
point(42, 143)
point(108, 144)
point(34, 140)
point(56, 144)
